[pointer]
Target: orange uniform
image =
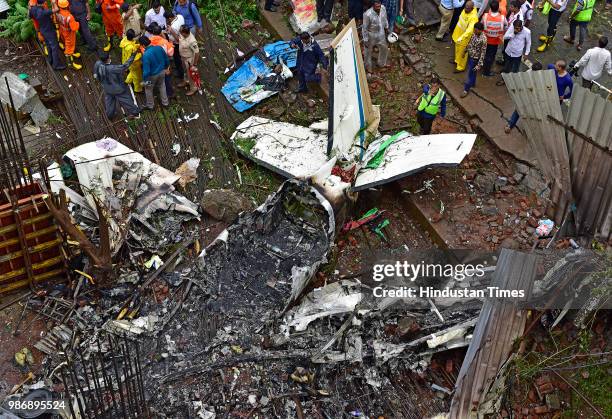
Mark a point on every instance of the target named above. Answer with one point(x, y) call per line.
point(111, 17)
point(503, 7)
point(68, 27)
point(160, 41)
point(32, 3)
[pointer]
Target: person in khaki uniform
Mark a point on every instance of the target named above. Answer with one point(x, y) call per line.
point(131, 18)
point(190, 55)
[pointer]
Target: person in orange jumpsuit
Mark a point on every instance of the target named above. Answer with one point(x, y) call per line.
point(40, 36)
point(113, 23)
point(68, 27)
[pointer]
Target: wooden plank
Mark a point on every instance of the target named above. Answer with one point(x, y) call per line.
point(41, 265)
point(29, 236)
point(499, 324)
point(37, 278)
point(13, 227)
point(33, 249)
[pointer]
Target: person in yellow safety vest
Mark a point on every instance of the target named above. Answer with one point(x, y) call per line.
point(581, 16)
point(463, 33)
point(129, 46)
point(429, 104)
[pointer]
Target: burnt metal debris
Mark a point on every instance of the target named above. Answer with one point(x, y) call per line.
point(147, 321)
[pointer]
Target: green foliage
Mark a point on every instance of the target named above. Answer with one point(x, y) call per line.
point(230, 13)
point(594, 382)
point(17, 25)
point(245, 144)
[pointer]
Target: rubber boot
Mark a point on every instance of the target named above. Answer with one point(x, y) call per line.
point(107, 47)
point(546, 43)
point(45, 50)
point(73, 64)
point(76, 54)
point(543, 38)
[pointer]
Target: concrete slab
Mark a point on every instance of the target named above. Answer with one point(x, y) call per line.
point(276, 23)
point(489, 104)
point(426, 13)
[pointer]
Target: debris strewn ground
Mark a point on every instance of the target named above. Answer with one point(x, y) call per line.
point(193, 282)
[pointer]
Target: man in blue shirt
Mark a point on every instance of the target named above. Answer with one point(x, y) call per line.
point(155, 63)
point(46, 26)
point(309, 56)
point(565, 84)
point(190, 13)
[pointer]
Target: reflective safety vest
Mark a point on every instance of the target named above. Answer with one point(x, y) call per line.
point(493, 28)
point(431, 104)
point(585, 14)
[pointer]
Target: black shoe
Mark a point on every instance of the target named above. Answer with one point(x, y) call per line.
point(147, 108)
point(301, 90)
point(490, 74)
point(59, 68)
point(270, 9)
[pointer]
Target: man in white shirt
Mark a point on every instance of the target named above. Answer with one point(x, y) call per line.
point(519, 45)
point(527, 12)
point(155, 14)
point(514, 13)
point(556, 10)
point(594, 61)
point(173, 28)
point(374, 31)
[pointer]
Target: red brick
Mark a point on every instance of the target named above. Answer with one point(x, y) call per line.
point(539, 410)
point(545, 389)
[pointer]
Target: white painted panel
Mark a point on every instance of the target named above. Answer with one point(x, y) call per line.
point(410, 154)
point(287, 149)
point(348, 107)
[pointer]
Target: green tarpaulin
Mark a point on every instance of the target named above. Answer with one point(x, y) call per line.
point(377, 159)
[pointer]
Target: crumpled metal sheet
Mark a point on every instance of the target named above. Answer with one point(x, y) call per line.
point(335, 298)
point(24, 98)
point(131, 188)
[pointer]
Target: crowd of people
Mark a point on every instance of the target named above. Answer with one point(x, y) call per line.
point(151, 51)
point(478, 29)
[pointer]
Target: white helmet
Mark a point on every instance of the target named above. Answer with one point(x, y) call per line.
point(392, 38)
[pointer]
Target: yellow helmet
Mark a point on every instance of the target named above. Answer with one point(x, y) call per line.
point(63, 4)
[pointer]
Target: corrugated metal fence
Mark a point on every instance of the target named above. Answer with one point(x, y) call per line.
point(591, 166)
point(574, 152)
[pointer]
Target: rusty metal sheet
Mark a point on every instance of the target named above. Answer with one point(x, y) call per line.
point(498, 325)
point(535, 95)
point(591, 166)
